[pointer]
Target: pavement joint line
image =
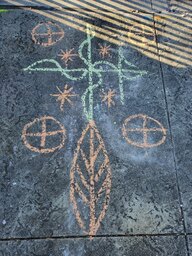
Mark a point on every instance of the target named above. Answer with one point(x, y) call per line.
point(95, 236)
point(172, 143)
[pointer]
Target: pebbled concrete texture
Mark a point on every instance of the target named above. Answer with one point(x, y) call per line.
point(181, 127)
point(151, 188)
point(190, 244)
point(140, 246)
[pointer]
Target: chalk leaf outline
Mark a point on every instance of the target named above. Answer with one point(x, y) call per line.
point(86, 190)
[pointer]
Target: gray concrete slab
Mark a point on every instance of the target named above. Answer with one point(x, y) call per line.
point(55, 135)
point(157, 6)
point(181, 6)
point(160, 6)
point(131, 5)
point(140, 246)
point(20, 3)
point(174, 39)
point(144, 196)
point(190, 244)
point(178, 88)
point(174, 6)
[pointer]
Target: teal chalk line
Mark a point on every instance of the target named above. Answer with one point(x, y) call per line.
point(2, 10)
point(91, 68)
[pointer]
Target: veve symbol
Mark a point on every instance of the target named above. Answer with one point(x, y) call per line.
point(90, 174)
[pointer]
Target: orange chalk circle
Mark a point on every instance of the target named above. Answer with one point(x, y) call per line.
point(43, 135)
point(144, 127)
point(47, 34)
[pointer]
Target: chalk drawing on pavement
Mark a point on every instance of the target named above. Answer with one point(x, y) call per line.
point(90, 70)
point(42, 134)
point(90, 173)
point(64, 96)
point(47, 34)
point(143, 131)
point(67, 55)
point(107, 97)
point(91, 185)
point(104, 50)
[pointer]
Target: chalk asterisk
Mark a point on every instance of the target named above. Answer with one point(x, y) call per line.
point(64, 96)
point(104, 50)
point(67, 55)
point(108, 97)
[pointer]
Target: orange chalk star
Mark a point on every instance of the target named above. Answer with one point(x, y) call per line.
point(104, 50)
point(108, 97)
point(64, 96)
point(67, 55)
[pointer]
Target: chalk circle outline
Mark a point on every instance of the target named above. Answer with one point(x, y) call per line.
point(43, 150)
point(145, 130)
point(47, 25)
point(134, 34)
